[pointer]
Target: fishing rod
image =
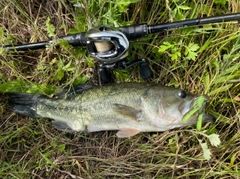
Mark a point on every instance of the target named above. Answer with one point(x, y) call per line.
point(109, 46)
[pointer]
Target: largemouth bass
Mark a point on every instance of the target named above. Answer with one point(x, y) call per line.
point(129, 108)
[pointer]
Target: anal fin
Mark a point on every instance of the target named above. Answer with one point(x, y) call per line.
point(127, 132)
point(62, 126)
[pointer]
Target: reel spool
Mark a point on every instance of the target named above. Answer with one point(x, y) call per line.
point(107, 45)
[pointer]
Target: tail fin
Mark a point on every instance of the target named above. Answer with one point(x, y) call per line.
point(23, 103)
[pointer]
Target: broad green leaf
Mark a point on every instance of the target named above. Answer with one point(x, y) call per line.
point(50, 28)
point(214, 140)
point(165, 46)
point(174, 12)
point(190, 51)
point(192, 55)
point(175, 55)
point(193, 47)
point(179, 15)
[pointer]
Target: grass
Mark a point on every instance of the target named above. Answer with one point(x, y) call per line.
point(203, 60)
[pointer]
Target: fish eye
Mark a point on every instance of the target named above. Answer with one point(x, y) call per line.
point(182, 94)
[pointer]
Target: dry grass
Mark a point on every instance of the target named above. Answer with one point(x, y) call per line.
point(31, 148)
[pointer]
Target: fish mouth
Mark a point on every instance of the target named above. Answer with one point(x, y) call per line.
point(184, 107)
point(196, 106)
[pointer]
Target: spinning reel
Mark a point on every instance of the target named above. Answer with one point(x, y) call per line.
point(110, 46)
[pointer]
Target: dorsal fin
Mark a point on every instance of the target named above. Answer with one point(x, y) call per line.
point(71, 91)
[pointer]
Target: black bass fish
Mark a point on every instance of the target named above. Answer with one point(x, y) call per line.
point(129, 108)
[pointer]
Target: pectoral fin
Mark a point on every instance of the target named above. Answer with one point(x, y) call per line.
point(128, 132)
point(127, 111)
